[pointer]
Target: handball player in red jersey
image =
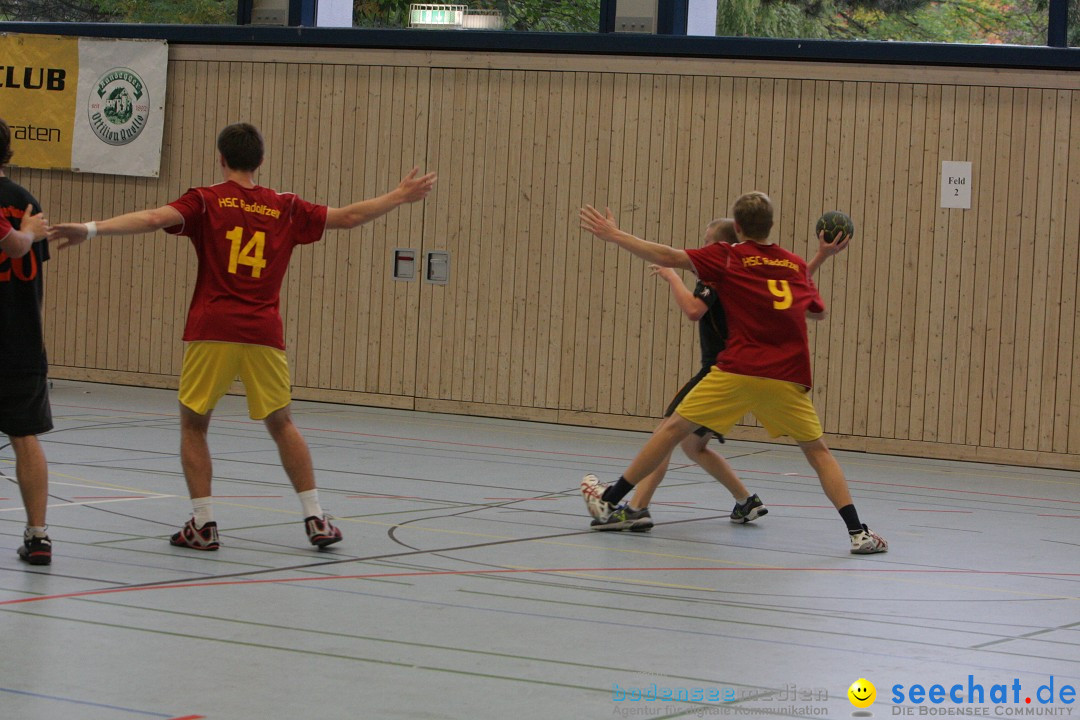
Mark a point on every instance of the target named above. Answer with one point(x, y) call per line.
point(767, 296)
point(243, 236)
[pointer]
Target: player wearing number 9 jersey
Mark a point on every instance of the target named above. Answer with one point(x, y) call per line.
point(767, 296)
point(243, 236)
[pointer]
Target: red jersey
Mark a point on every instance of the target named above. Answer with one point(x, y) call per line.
point(5, 227)
point(243, 239)
point(766, 294)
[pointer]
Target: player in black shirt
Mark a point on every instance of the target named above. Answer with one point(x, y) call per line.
point(703, 306)
point(24, 398)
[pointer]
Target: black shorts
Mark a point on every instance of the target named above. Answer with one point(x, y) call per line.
point(701, 431)
point(24, 405)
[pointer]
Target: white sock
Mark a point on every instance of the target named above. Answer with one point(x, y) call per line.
point(310, 500)
point(203, 510)
point(36, 531)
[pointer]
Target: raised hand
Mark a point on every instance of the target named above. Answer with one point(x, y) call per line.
point(414, 188)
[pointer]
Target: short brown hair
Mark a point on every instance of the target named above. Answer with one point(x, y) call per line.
point(722, 230)
point(754, 215)
point(5, 144)
point(241, 144)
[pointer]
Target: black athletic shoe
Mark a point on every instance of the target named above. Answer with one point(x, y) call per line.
point(36, 550)
point(625, 518)
point(196, 538)
point(749, 510)
point(321, 532)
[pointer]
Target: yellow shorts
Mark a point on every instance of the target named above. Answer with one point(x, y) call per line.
point(211, 367)
point(721, 399)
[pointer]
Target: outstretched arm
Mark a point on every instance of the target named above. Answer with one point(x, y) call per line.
point(143, 221)
point(825, 251)
point(409, 190)
point(691, 306)
point(18, 242)
point(604, 227)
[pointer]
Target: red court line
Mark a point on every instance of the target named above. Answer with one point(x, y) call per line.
point(823, 507)
point(518, 571)
point(108, 497)
point(386, 497)
point(190, 717)
point(520, 499)
point(923, 510)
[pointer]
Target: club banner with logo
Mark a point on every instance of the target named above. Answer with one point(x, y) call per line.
point(84, 104)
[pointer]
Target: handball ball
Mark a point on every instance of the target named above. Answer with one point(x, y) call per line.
point(835, 224)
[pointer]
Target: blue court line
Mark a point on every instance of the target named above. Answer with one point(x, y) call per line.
point(84, 702)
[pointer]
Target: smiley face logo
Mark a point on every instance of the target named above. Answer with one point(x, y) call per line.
point(862, 693)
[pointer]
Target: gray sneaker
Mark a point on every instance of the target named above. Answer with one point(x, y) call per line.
point(625, 518)
point(751, 509)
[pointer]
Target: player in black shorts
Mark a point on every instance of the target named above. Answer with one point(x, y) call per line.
point(24, 395)
point(703, 306)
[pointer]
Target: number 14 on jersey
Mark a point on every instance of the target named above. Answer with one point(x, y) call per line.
point(251, 254)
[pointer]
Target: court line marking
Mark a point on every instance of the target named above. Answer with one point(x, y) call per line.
point(512, 571)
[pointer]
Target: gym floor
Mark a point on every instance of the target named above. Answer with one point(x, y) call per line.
point(469, 585)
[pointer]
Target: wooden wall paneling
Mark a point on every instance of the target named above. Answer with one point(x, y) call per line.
point(568, 246)
point(625, 283)
point(842, 323)
point(982, 203)
point(913, 321)
point(429, 327)
point(1009, 384)
point(634, 217)
point(499, 301)
point(472, 133)
point(991, 374)
point(1045, 283)
point(817, 163)
point(604, 312)
point(417, 109)
point(534, 299)
point(580, 268)
point(386, 151)
point(1024, 226)
point(953, 424)
point(455, 135)
point(858, 267)
point(663, 355)
point(684, 233)
point(957, 264)
point(1066, 418)
point(367, 341)
point(73, 262)
point(393, 316)
point(516, 238)
point(340, 194)
point(287, 176)
point(358, 288)
point(305, 259)
point(899, 302)
point(934, 262)
point(722, 99)
point(334, 141)
point(788, 139)
point(1057, 241)
point(553, 269)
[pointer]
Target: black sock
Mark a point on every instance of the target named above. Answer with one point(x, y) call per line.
point(851, 518)
point(618, 491)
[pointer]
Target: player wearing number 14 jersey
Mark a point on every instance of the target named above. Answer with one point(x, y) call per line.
point(767, 297)
point(243, 236)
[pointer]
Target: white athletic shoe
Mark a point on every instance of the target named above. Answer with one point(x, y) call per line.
point(866, 541)
point(592, 492)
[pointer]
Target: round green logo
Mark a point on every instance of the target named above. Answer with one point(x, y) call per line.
point(119, 106)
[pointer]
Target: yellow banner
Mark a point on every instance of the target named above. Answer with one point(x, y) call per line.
point(39, 83)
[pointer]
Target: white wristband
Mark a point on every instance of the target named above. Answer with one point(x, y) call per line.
point(91, 229)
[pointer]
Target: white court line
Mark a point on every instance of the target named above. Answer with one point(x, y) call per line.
point(94, 502)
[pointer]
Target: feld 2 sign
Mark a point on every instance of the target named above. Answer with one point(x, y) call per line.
point(955, 184)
